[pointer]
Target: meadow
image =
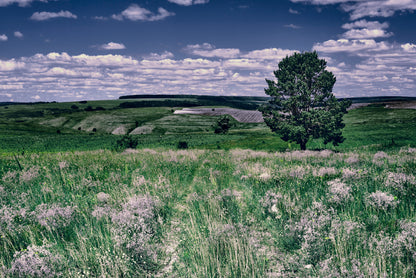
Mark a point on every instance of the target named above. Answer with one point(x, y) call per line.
point(244, 204)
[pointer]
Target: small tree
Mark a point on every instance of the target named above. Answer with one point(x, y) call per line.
point(223, 125)
point(126, 142)
point(302, 104)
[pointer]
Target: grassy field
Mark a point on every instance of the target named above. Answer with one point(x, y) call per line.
point(199, 213)
point(97, 125)
point(244, 204)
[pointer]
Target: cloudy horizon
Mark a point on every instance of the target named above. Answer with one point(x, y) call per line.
point(55, 50)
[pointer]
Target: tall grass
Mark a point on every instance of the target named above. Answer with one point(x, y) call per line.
point(208, 213)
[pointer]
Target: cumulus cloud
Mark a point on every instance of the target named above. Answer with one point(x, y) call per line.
point(220, 52)
point(269, 54)
point(365, 24)
point(113, 46)
point(409, 47)
point(366, 34)
point(41, 16)
point(209, 51)
point(10, 65)
point(371, 8)
point(18, 34)
point(383, 8)
point(188, 2)
point(345, 45)
point(61, 76)
point(3, 38)
point(364, 29)
point(157, 56)
point(136, 13)
point(21, 3)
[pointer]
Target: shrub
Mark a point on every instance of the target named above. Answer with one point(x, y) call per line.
point(135, 229)
point(382, 200)
point(36, 261)
point(223, 125)
point(53, 216)
point(126, 142)
point(182, 145)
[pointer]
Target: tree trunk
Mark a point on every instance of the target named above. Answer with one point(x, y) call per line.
point(303, 146)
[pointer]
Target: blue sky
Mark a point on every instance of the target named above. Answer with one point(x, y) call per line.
point(69, 50)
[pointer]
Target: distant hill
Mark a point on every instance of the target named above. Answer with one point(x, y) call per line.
point(240, 102)
point(380, 99)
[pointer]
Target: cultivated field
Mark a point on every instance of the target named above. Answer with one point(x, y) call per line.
point(243, 116)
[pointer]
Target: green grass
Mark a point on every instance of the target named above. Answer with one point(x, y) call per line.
point(243, 204)
point(35, 127)
point(376, 125)
point(216, 213)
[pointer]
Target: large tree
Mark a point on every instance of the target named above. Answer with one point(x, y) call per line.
point(302, 105)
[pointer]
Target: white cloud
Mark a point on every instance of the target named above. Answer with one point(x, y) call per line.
point(188, 2)
point(409, 47)
point(366, 34)
point(364, 29)
point(220, 52)
point(292, 26)
point(18, 34)
point(136, 13)
point(205, 46)
point(292, 11)
point(269, 54)
point(21, 3)
point(100, 18)
point(10, 65)
point(383, 8)
point(365, 24)
point(61, 76)
point(104, 60)
point(113, 46)
point(3, 38)
point(157, 56)
point(57, 71)
point(372, 8)
point(345, 45)
point(41, 16)
point(209, 51)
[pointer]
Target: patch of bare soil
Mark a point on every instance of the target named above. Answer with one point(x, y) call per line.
point(146, 129)
point(357, 105)
point(121, 130)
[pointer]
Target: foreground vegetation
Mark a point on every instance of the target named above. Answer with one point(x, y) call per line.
point(197, 213)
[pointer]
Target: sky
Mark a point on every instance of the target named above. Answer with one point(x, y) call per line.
point(71, 50)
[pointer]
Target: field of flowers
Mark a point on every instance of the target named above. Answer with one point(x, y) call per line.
point(208, 213)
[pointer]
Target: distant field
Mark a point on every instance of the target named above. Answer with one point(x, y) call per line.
point(243, 116)
point(90, 125)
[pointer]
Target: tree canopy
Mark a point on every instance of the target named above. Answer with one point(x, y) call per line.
point(302, 105)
